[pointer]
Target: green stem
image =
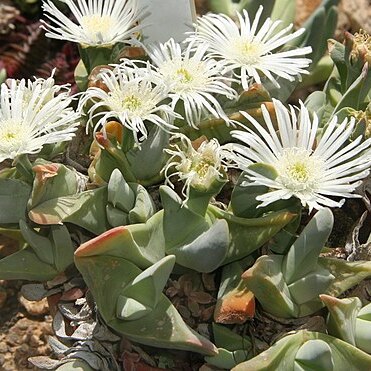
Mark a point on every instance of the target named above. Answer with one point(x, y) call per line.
point(24, 167)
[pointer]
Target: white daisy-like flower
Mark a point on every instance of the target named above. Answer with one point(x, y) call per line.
point(98, 22)
point(251, 52)
point(192, 79)
point(32, 116)
point(48, 87)
point(197, 167)
point(312, 172)
point(132, 98)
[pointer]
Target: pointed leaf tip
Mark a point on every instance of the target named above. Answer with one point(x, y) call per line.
point(96, 245)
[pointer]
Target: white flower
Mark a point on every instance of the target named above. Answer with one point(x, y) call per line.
point(32, 115)
point(312, 172)
point(48, 87)
point(191, 79)
point(249, 50)
point(196, 167)
point(98, 22)
point(132, 98)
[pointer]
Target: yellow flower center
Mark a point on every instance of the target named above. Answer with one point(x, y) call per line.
point(131, 103)
point(248, 52)
point(9, 136)
point(299, 170)
point(184, 75)
point(96, 25)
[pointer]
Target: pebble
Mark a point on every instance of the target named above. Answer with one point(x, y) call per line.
point(34, 308)
point(24, 348)
point(35, 341)
point(13, 339)
point(3, 347)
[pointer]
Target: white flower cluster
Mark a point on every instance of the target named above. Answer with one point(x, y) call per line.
point(311, 171)
point(32, 114)
point(188, 82)
point(193, 77)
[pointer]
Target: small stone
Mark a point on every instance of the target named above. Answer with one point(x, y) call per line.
point(24, 348)
point(35, 341)
point(2, 359)
point(8, 367)
point(13, 339)
point(3, 347)
point(35, 308)
point(23, 324)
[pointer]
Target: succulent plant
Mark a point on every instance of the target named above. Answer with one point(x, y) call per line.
point(47, 253)
point(307, 350)
point(349, 321)
point(288, 286)
point(131, 300)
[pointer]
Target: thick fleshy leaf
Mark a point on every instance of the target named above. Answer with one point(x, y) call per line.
point(144, 206)
point(308, 287)
point(207, 251)
point(347, 274)
point(266, 281)
point(14, 195)
point(363, 329)
point(247, 235)
point(283, 355)
point(303, 255)
point(25, 265)
point(147, 161)
point(120, 194)
point(181, 225)
point(52, 181)
point(142, 244)
point(226, 359)
point(147, 287)
point(107, 277)
point(40, 244)
point(315, 355)
point(128, 203)
point(86, 209)
point(341, 320)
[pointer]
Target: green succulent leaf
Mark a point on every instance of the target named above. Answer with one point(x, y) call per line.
point(14, 195)
point(51, 181)
point(120, 195)
point(308, 287)
point(341, 320)
point(226, 359)
point(314, 355)
point(107, 277)
point(207, 251)
point(307, 350)
point(86, 209)
point(141, 244)
point(266, 281)
point(25, 265)
point(347, 274)
point(147, 287)
point(363, 329)
point(303, 255)
point(247, 235)
point(147, 161)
